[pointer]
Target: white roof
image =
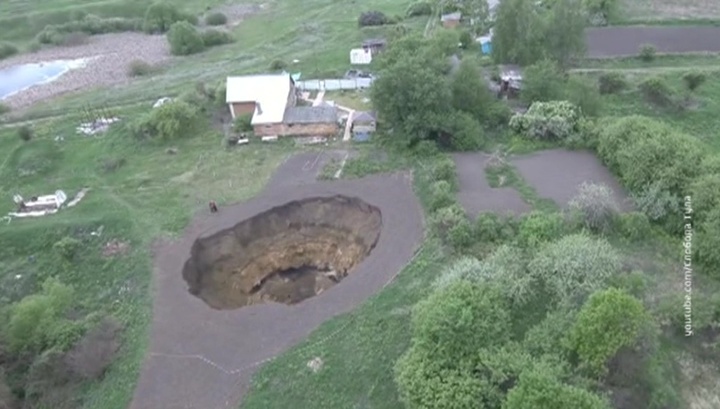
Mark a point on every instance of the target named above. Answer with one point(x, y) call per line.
point(270, 92)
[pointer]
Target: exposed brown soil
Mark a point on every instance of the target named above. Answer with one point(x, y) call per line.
point(115, 248)
point(203, 358)
point(557, 174)
point(626, 41)
point(286, 254)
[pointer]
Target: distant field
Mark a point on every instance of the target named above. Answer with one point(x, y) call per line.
point(670, 9)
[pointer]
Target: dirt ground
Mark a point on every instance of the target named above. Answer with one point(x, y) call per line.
point(201, 358)
point(476, 195)
point(110, 56)
point(556, 174)
point(603, 42)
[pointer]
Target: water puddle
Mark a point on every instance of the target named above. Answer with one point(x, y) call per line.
point(21, 77)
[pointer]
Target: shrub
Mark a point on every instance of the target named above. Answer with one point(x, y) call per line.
point(554, 120)
point(584, 96)
point(160, 16)
point(184, 39)
point(419, 8)
point(647, 52)
point(446, 218)
point(25, 133)
point(634, 226)
point(595, 204)
point(656, 202)
point(708, 242)
point(441, 195)
point(4, 109)
point(538, 389)
point(657, 91)
point(538, 227)
point(575, 266)
point(212, 37)
point(67, 247)
point(460, 236)
point(171, 120)
point(372, 18)
point(445, 170)
point(466, 39)
point(465, 132)
point(243, 123)
point(705, 194)
point(7, 50)
point(278, 65)
point(694, 79)
point(623, 132)
point(609, 320)
point(216, 19)
point(611, 83)
point(542, 81)
point(37, 321)
point(139, 68)
point(488, 227)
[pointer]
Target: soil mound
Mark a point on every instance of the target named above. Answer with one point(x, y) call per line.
point(286, 254)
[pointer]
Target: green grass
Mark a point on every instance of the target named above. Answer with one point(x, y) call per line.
point(671, 11)
point(708, 61)
point(152, 196)
point(507, 176)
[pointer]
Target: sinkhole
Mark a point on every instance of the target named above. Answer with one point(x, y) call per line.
point(285, 255)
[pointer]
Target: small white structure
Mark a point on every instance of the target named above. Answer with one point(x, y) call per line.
point(360, 56)
point(162, 101)
point(97, 126)
point(39, 206)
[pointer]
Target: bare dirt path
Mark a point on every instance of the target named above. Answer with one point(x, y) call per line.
point(201, 358)
point(604, 42)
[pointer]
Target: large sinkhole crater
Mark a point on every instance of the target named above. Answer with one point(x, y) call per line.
point(285, 255)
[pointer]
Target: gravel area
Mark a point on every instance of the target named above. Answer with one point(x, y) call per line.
point(109, 57)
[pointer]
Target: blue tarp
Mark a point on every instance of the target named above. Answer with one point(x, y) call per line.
point(486, 48)
point(361, 136)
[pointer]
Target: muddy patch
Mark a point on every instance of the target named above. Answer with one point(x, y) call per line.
point(284, 255)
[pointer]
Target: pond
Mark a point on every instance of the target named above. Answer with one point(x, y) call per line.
point(21, 77)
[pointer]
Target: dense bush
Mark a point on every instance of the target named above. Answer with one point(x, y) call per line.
point(584, 96)
point(7, 50)
point(543, 81)
point(373, 18)
point(171, 120)
point(694, 79)
point(57, 34)
point(444, 219)
point(461, 235)
point(67, 247)
point(212, 37)
point(575, 266)
point(442, 195)
point(25, 133)
point(596, 206)
point(610, 320)
point(4, 109)
point(444, 169)
point(647, 52)
point(184, 39)
point(657, 91)
point(635, 226)
point(278, 65)
point(611, 83)
point(160, 16)
point(464, 133)
point(621, 133)
point(216, 19)
point(549, 121)
point(419, 8)
point(705, 194)
point(538, 227)
point(139, 68)
point(490, 228)
point(656, 202)
point(541, 390)
point(708, 243)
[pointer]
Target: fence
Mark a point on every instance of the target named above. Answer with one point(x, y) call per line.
point(334, 85)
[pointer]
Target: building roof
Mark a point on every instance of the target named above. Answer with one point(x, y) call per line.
point(451, 16)
point(364, 117)
point(374, 41)
point(310, 115)
point(269, 92)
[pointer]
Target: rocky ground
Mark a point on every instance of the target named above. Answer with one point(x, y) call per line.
point(109, 57)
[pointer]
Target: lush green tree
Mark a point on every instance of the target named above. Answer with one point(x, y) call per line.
point(619, 134)
point(596, 207)
point(461, 132)
point(609, 320)
point(518, 33)
point(548, 121)
point(466, 40)
point(172, 120)
point(548, 337)
point(538, 389)
point(543, 81)
point(161, 15)
point(575, 266)
point(470, 93)
point(564, 36)
point(602, 11)
point(412, 99)
point(705, 195)
point(708, 242)
point(184, 39)
point(538, 227)
point(479, 319)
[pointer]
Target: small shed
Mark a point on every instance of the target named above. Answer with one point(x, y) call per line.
point(374, 45)
point(310, 121)
point(364, 125)
point(360, 56)
point(451, 20)
point(485, 44)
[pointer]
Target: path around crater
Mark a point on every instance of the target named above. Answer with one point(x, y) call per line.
point(200, 358)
